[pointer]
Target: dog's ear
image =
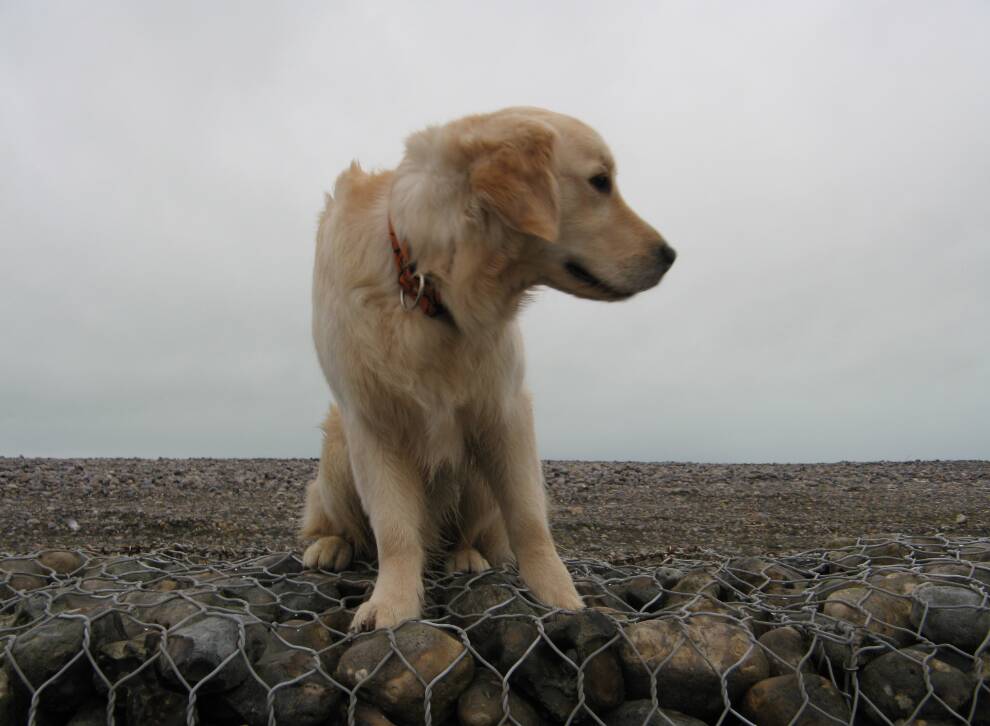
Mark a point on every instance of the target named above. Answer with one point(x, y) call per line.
point(512, 174)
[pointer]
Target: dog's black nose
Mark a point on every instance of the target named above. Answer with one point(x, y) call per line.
point(665, 255)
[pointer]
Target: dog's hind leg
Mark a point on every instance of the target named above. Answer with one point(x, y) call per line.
point(481, 540)
point(333, 511)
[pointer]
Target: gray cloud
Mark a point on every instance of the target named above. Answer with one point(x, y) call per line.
point(823, 170)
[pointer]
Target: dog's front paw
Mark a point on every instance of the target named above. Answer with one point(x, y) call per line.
point(467, 559)
point(328, 553)
point(564, 600)
point(375, 615)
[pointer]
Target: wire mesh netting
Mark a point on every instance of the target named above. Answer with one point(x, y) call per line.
point(890, 630)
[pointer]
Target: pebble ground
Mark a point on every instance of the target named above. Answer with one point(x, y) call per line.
point(606, 510)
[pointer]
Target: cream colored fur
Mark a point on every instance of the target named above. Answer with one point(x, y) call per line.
point(431, 447)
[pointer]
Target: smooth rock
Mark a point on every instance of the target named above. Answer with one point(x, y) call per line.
point(314, 634)
point(119, 659)
point(883, 551)
point(198, 648)
point(898, 583)
point(62, 562)
point(895, 684)
point(7, 698)
point(49, 650)
point(845, 561)
point(162, 608)
point(551, 681)
point(91, 713)
point(257, 600)
point(881, 613)
point(367, 715)
point(951, 615)
point(641, 593)
point(635, 713)
point(954, 572)
point(129, 569)
point(279, 563)
point(306, 593)
point(150, 705)
point(786, 651)
point(310, 701)
point(747, 574)
point(500, 623)
point(481, 704)
point(693, 657)
point(22, 565)
point(779, 701)
point(397, 690)
point(19, 582)
point(784, 593)
point(693, 584)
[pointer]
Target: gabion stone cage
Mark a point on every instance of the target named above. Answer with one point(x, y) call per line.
point(890, 630)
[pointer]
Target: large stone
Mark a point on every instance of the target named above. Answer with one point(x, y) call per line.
point(127, 569)
point(690, 659)
point(309, 701)
point(879, 612)
point(91, 713)
point(955, 572)
point(780, 701)
point(53, 651)
point(7, 697)
point(951, 615)
point(787, 651)
point(552, 679)
point(257, 600)
point(636, 713)
point(166, 609)
point(119, 660)
point(22, 582)
point(748, 574)
point(22, 565)
point(311, 593)
point(641, 594)
point(500, 623)
point(279, 563)
point(481, 704)
point(322, 636)
point(150, 705)
point(61, 562)
point(895, 684)
point(367, 715)
point(691, 586)
point(399, 691)
point(207, 650)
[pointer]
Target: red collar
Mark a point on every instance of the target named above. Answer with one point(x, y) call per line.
point(418, 291)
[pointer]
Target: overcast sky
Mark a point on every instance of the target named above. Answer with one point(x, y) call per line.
point(823, 169)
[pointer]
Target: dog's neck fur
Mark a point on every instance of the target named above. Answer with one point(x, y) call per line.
point(475, 261)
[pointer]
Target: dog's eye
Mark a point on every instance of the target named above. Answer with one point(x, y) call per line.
point(601, 182)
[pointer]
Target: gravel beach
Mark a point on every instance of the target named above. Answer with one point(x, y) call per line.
point(617, 511)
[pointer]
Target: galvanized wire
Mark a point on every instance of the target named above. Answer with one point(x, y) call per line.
point(885, 630)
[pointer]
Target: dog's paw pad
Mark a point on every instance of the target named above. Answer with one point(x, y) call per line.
point(328, 553)
point(467, 559)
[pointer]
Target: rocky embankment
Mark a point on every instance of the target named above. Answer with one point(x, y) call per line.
point(878, 630)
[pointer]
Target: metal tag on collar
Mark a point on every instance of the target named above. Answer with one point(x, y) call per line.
point(419, 293)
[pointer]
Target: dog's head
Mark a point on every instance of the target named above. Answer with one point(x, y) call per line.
point(552, 179)
point(542, 188)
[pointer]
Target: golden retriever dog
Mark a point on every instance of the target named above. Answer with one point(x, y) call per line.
point(418, 278)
